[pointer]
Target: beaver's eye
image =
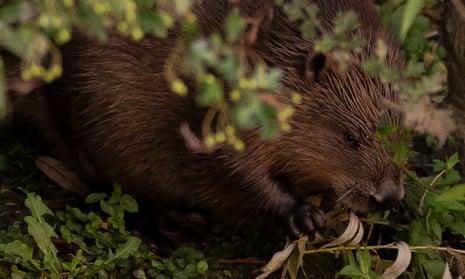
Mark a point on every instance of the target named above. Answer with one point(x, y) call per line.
point(349, 137)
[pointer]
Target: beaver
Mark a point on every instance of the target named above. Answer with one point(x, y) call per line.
point(112, 118)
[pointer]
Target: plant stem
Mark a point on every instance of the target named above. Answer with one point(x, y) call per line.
point(422, 200)
point(377, 247)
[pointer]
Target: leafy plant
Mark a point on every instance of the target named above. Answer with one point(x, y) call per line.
point(96, 246)
point(432, 230)
point(237, 94)
point(359, 266)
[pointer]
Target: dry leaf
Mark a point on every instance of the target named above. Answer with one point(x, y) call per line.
point(66, 179)
point(359, 235)
point(192, 142)
point(447, 274)
point(296, 259)
point(404, 255)
point(277, 261)
point(353, 233)
point(424, 118)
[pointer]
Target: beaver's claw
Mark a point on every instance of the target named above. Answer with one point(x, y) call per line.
point(305, 219)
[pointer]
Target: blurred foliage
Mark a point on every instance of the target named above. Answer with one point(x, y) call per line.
point(238, 96)
point(236, 93)
point(419, 40)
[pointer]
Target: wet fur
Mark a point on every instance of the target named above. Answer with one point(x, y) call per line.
point(111, 117)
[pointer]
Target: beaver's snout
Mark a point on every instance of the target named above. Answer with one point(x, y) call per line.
point(388, 194)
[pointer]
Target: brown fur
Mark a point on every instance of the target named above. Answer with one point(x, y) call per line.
point(111, 117)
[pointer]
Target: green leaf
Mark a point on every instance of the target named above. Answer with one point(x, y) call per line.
point(358, 267)
point(190, 270)
point(108, 208)
point(115, 194)
point(453, 160)
point(75, 261)
point(157, 264)
point(129, 204)
point(127, 249)
point(411, 10)
point(17, 274)
point(457, 227)
point(400, 153)
point(202, 267)
point(439, 165)
point(364, 260)
point(435, 228)
point(245, 115)
point(210, 93)
point(346, 21)
point(417, 233)
point(94, 224)
point(449, 205)
point(350, 270)
point(95, 197)
point(20, 249)
point(267, 79)
point(230, 66)
point(41, 234)
point(151, 21)
point(434, 268)
point(351, 258)
point(41, 231)
point(76, 212)
point(36, 206)
point(308, 29)
point(201, 54)
point(451, 177)
point(294, 10)
point(234, 25)
point(455, 193)
point(325, 44)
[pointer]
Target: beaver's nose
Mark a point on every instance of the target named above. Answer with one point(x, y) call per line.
point(388, 193)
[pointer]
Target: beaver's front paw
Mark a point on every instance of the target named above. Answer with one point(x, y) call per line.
point(305, 219)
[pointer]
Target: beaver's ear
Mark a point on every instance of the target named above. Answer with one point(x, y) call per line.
point(316, 63)
point(312, 64)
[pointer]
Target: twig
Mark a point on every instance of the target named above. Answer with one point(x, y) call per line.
point(242, 261)
point(169, 68)
point(377, 247)
point(422, 200)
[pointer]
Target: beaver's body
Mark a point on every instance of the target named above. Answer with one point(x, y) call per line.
point(111, 117)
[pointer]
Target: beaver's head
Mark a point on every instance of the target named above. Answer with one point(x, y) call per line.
point(333, 146)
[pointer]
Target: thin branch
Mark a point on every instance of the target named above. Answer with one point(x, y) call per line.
point(386, 246)
point(422, 200)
